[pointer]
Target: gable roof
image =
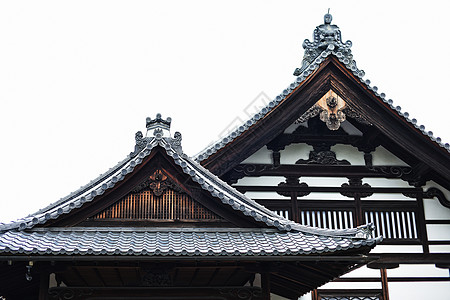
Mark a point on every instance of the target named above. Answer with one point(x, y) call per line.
point(144, 147)
point(283, 237)
point(328, 64)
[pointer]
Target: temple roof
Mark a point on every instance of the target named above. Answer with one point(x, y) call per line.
point(172, 242)
point(275, 236)
point(326, 42)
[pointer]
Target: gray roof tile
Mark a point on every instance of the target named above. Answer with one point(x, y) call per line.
point(210, 242)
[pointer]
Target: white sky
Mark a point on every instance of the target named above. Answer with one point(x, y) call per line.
point(78, 78)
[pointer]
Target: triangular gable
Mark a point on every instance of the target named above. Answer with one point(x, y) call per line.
point(158, 153)
point(186, 176)
point(328, 66)
point(157, 198)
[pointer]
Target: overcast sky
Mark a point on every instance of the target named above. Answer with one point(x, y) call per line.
point(78, 78)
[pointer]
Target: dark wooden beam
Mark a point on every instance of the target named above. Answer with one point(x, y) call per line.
point(257, 170)
point(349, 189)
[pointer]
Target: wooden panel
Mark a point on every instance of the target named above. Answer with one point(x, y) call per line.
point(145, 205)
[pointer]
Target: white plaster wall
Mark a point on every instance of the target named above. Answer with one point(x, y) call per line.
point(437, 232)
point(407, 270)
point(294, 152)
point(439, 248)
point(433, 209)
point(364, 271)
point(324, 196)
point(397, 249)
point(386, 182)
point(261, 181)
point(262, 156)
point(265, 195)
point(324, 181)
point(382, 157)
point(349, 153)
point(385, 196)
point(419, 290)
point(351, 285)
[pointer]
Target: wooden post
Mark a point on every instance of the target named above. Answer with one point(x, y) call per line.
point(265, 285)
point(420, 223)
point(314, 295)
point(384, 284)
point(294, 208)
point(43, 286)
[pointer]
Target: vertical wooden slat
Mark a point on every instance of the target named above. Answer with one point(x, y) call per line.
point(386, 224)
point(408, 225)
point(333, 219)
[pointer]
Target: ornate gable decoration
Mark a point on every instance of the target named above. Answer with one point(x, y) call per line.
point(326, 36)
point(158, 183)
point(161, 130)
point(332, 110)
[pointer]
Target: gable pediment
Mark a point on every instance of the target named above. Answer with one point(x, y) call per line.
point(156, 185)
point(157, 198)
point(367, 113)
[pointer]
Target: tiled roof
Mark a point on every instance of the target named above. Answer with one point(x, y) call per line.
point(17, 235)
point(208, 181)
point(342, 52)
point(220, 190)
point(172, 242)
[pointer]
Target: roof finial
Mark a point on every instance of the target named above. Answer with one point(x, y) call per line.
point(160, 134)
point(327, 37)
point(328, 18)
point(158, 123)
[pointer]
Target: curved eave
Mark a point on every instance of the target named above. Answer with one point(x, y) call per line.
point(167, 243)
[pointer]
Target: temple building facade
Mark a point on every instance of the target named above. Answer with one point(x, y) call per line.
point(329, 192)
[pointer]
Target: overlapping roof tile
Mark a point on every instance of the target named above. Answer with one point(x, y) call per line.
point(166, 242)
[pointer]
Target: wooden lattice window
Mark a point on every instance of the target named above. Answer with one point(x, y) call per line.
point(157, 198)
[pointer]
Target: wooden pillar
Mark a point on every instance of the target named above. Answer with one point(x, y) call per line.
point(294, 208)
point(359, 214)
point(384, 284)
point(265, 285)
point(43, 286)
point(420, 223)
point(314, 295)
